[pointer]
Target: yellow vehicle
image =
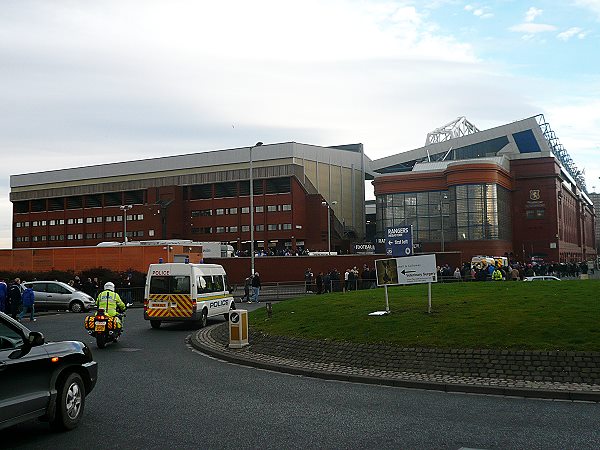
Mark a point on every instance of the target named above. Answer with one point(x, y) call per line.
point(186, 292)
point(478, 262)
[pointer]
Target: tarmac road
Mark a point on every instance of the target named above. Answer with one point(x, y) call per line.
point(154, 391)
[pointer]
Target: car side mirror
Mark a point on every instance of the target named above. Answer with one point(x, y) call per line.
point(35, 338)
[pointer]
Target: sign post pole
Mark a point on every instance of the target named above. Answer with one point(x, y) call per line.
point(387, 303)
point(405, 270)
point(429, 292)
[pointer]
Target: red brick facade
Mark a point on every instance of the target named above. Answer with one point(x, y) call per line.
point(283, 220)
point(550, 219)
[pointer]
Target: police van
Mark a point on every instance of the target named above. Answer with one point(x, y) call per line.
point(186, 292)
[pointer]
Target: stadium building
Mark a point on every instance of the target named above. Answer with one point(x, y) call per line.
point(201, 196)
point(511, 190)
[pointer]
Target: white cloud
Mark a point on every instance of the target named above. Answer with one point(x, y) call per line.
point(568, 34)
point(592, 5)
point(115, 81)
point(529, 27)
point(532, 13)
point(532, 28)
point(576, 122)
point(482, 14)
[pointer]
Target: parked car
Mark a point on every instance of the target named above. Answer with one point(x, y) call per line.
point(541, 278)
point(42, 380)
point(58, 295)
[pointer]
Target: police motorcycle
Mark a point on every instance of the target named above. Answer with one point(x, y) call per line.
point(103, 327)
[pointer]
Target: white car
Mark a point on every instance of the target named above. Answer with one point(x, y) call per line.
point(541, 278)
point(58, 295)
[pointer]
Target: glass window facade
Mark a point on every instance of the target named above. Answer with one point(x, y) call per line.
point(464, 212)
point(481, 212)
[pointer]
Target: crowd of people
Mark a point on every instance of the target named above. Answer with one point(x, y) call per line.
point(16, 299)
point(334, 281)
point(515, 271)
point(300, 251)
point(92, 286)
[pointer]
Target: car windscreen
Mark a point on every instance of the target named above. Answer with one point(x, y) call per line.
point(170, 284)
point(9, 338)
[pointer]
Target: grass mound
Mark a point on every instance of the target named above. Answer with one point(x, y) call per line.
point(561, 315)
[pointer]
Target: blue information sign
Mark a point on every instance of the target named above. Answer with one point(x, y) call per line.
point(399, 241)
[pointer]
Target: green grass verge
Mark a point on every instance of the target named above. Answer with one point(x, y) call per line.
point(493, 315)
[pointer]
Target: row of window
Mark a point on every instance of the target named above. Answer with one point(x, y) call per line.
point(238, 188)
point(244, 228)
point(78, 236)
point(76, 220)
point(180, 284)
point(244, 210)
point(81, 201)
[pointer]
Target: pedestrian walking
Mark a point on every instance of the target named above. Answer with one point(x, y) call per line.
point(320, 283)
point(15, 294)
point(3, 296)
point(346, 286)
point(308, 277)
point(88, 287)
point(96, 285)
point(77, 283)
point(28, 301)
point(247, 286)
point(255, 287)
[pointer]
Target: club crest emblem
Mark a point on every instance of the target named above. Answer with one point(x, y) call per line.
point(534, 194)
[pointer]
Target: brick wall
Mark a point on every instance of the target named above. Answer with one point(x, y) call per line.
point(550, 366)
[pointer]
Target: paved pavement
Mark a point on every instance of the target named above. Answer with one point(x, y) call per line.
point(313, 359)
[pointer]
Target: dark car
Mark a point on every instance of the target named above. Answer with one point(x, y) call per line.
point(42, 380)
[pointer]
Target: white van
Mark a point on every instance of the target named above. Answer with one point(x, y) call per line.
point(186, 292)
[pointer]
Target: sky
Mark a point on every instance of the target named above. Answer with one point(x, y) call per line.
point(85, 83)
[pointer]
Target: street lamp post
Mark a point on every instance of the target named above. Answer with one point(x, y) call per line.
point(125, 208)
point(258, 144)
point(444, 197)
point(329, 224)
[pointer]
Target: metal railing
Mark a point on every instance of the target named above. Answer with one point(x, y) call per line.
point(133, 295)
point(289, 289)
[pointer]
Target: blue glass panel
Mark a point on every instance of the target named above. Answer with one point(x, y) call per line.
point(481, 149)
point(526, 142)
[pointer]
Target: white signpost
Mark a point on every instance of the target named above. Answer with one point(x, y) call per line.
point(406, 270)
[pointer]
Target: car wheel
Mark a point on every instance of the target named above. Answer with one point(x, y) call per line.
point(101, 341)
point(76, 307)
point(70, 403)
point(203, 318)
point(155, 324)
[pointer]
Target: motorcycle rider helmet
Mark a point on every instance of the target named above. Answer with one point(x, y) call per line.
point(110, 286)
